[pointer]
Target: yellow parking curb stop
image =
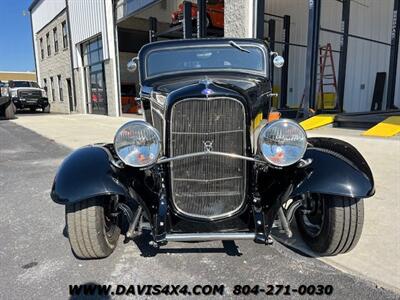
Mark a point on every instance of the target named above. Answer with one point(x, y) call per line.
point(317, 121)
point(387, 128)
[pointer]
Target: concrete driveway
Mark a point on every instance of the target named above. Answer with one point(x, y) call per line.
point(375, 257)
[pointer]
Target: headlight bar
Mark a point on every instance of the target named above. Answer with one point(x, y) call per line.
point(205, 153)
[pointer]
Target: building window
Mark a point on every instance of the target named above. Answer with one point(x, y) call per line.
point(52, 89)
point(48, 44)
point(65, 34)
point(94, 68)
point(60, 89)
point(93, 52)
point(41, 48)
point(55, 37)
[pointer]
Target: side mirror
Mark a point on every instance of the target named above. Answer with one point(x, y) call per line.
point(278, 61)
point(132, 65)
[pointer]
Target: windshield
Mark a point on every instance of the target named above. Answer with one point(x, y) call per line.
point(226, 58)
point(18, 84)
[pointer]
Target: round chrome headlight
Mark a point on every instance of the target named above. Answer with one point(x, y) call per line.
point(282, 142)
point(137, 144)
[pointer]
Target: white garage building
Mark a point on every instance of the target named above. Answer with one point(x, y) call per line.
point(104, 34)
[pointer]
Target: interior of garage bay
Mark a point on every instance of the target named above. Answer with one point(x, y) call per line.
point(347, 65)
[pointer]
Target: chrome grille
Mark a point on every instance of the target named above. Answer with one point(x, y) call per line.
point(30, 95)
point(208, 187)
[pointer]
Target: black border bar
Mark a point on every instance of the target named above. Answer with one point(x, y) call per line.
point(201, 19)
point(344, 43)
point(394, 53)
point(314, 21)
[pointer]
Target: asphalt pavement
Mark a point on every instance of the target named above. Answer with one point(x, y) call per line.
point(36, 261)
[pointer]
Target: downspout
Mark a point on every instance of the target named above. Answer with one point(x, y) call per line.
point(34, 49)
point(116, 41)
point(116, 69)
point(71, 54)
point(252, 21)
point(259, 10)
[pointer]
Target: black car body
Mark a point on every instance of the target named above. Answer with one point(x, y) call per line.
point(204, 99)
point(27, 94)
point(7, 109)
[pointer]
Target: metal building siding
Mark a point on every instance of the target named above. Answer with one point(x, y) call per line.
point(298, 11)
point(44, 12)
point(88, 19)
point(369, 18)
point(128, 7)
point(372, 19)
point(135, 5)
point(331, 13)
point(161, 10)
point(365, 59)
point(148, 8)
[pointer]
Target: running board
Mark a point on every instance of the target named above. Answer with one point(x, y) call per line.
point(199, 237)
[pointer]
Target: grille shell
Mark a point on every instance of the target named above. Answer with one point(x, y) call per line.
point(208, 187)
point(158, 123)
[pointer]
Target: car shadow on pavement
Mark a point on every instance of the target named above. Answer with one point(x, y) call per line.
point(65, 231)
point(295, 243)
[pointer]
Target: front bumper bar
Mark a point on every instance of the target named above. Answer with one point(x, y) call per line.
point(41, 102)
point(201, 237)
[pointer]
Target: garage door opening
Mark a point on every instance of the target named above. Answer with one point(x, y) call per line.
point(159, 20)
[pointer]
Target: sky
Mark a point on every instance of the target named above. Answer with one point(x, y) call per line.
point(16, 49)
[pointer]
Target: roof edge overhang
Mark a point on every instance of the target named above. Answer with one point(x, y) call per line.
point(33, 5)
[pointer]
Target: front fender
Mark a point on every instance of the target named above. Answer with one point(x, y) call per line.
point(86, 173)
point(337, 168)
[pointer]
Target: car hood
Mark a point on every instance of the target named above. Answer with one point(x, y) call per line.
point(172, 84)
point(26, 89)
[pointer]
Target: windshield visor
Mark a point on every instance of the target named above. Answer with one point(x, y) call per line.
point(194, 59)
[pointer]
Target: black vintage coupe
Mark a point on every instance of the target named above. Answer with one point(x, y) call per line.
point(205, 166)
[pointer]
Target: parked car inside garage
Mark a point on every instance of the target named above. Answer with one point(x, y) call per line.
point(130, 103)
point(215, 14)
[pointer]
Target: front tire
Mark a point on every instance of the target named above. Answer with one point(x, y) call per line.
point(46, 109)
point(9, 112)
point(336, 226)
point(92, 232)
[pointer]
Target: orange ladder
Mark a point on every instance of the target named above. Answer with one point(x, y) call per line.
point(326, 79)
